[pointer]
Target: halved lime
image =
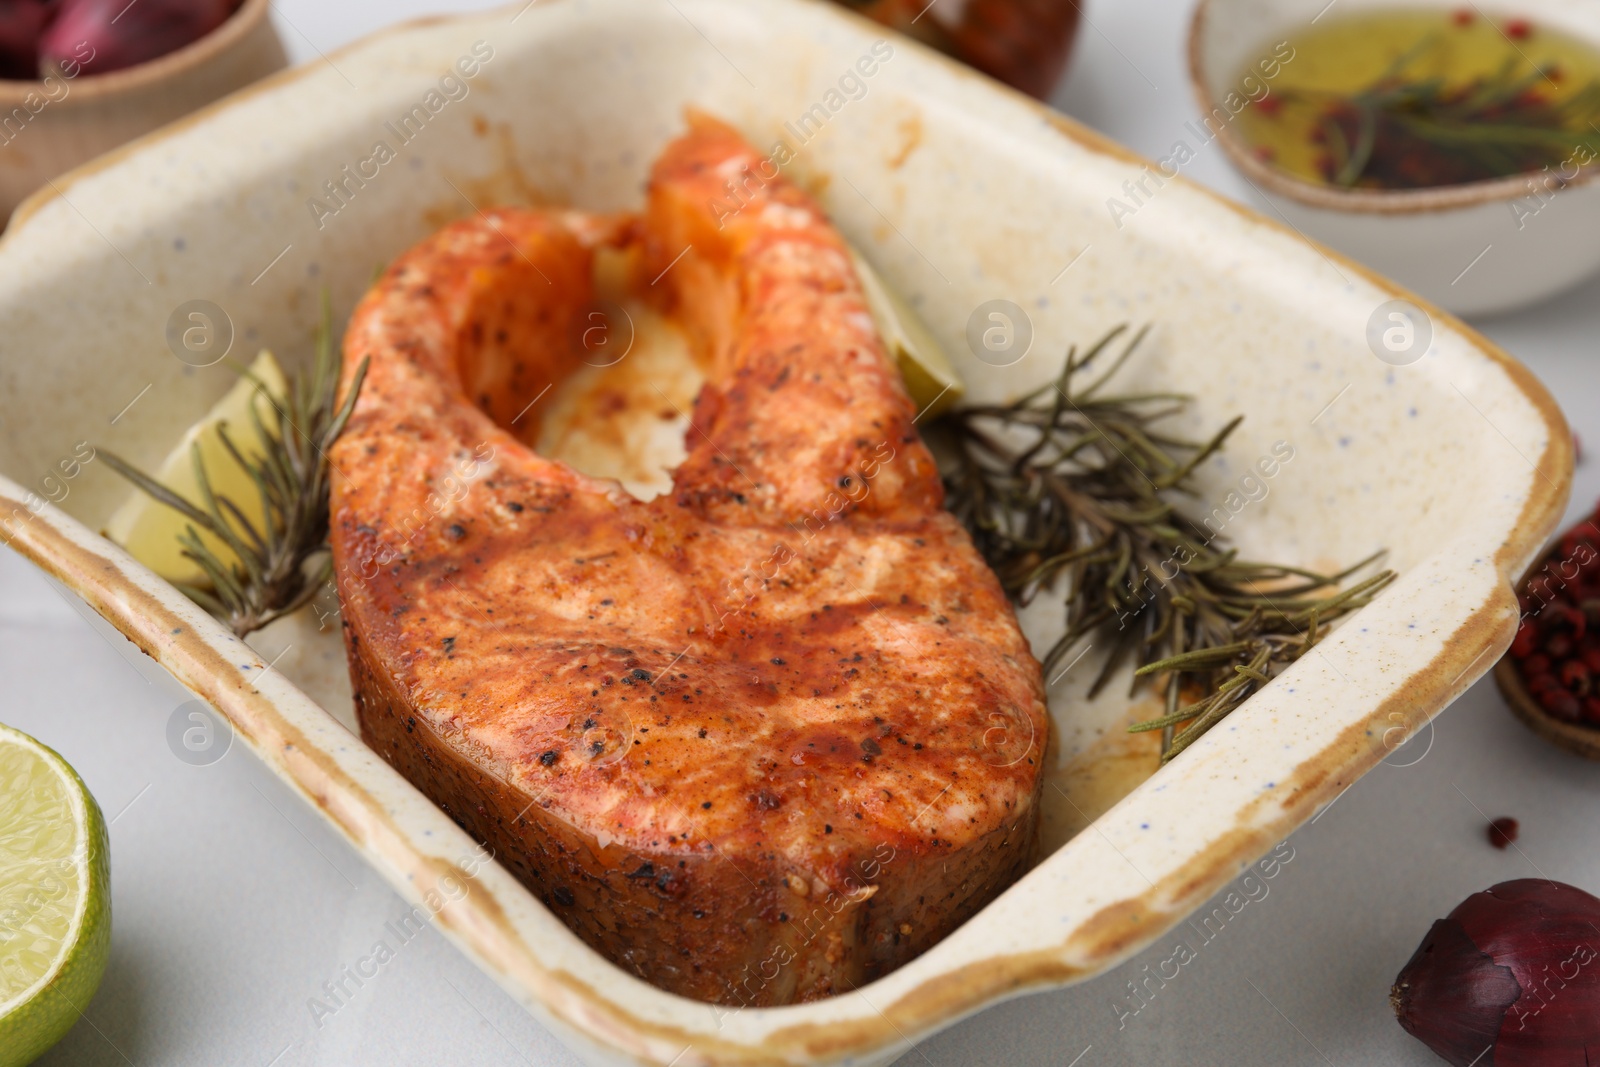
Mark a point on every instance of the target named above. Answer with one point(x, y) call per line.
point(55, 898)
point(924, 367)
point(149, 530)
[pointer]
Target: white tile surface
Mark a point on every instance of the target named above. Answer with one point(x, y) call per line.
point(234, 904)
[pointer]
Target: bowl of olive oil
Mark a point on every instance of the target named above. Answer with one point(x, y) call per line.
point(1451, 146)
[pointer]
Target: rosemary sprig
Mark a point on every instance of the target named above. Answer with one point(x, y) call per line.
point(1071, 482)
point(1402, 132)
point(275, 571)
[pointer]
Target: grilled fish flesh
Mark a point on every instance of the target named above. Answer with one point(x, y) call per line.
point(760, 739)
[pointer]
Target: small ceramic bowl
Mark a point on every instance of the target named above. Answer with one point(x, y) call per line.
point(48, 127)
point(1476, 249)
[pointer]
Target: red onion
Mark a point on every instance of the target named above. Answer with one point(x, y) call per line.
point(119, 34)
point(21, 23)
point(1515, 969)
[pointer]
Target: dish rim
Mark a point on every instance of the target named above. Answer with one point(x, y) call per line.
point(97, 570)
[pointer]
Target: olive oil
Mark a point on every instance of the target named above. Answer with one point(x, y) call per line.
point(1413, 98)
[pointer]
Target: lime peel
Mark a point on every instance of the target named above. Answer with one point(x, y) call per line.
point(929, 377)
point(55, 897)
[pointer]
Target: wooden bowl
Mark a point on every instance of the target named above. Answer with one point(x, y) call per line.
point(48, 127)
point(1582, 740)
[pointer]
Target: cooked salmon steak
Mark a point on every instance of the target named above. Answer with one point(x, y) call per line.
point(760, 739)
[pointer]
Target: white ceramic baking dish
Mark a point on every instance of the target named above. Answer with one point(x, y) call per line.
point(961, 192)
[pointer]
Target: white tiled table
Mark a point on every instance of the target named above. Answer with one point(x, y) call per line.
point(234, 903)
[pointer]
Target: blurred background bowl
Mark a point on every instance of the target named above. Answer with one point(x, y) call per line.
point(44, 133)
point(1461, 246)
point(1024, 43)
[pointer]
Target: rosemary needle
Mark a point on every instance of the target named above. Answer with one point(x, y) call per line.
point(1072, 484)
point(277, 569)
point(1415, 132)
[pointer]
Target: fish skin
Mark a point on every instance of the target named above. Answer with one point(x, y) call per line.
point(759, 740)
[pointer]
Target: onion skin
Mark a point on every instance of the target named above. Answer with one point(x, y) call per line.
point(120, 35)
point(1515, 969)
point(1451, 996)
point(21, 24)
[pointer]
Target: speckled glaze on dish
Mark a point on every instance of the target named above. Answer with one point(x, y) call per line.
point(960, 192)
point(1461, 246)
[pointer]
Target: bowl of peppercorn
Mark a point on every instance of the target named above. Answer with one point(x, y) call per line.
point(1551, 675)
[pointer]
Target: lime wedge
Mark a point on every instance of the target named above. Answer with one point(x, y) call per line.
point(149, 530)
point(55, 898)
point(930, 379)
